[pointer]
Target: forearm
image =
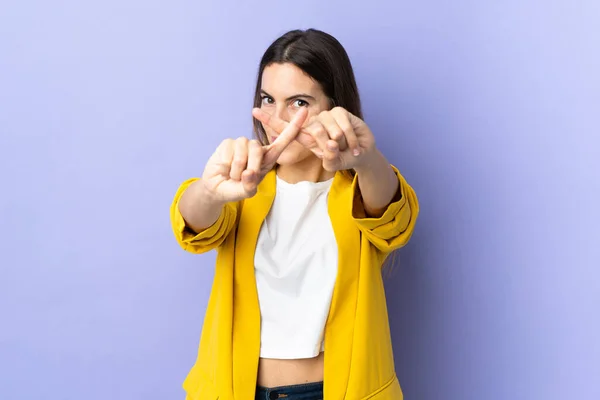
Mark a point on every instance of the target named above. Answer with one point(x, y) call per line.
point(198, 209)
point(377, 182)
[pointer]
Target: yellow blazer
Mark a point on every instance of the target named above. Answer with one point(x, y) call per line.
point(359, 362)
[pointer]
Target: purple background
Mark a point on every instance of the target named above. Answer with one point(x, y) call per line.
point(492, 112)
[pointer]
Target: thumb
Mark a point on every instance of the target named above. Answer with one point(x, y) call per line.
point(250, 180)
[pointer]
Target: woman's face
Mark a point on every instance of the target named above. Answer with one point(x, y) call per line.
point(286, 88)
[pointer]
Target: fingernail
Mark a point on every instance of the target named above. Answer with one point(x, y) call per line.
point(331, 147)
point(356, 152)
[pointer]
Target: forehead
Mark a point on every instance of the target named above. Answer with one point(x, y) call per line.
point(288, 80)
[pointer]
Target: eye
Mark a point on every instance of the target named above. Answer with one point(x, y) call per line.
point(266, 100)
point(300, 103)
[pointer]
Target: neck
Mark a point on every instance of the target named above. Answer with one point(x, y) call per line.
point(310, 169)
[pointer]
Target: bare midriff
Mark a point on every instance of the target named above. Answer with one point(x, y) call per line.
point(272, 372)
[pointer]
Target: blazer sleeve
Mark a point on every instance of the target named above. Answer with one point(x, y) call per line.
point(210, 238)
point(395, 227)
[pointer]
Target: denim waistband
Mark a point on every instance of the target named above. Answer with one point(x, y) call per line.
point(304, 391)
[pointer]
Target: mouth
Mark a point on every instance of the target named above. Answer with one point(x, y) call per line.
point(273, 138)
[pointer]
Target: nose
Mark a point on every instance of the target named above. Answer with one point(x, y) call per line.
point(282, 112)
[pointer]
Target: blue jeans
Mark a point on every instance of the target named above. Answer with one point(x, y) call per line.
point(305, 391)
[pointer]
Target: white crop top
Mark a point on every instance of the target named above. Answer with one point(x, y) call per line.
point(296, 267)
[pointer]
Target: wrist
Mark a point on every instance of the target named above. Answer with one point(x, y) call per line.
point(369, 159)
point(206, 196)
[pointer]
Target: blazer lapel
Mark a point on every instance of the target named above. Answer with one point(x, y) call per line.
point(340, 323)
point(246, 311)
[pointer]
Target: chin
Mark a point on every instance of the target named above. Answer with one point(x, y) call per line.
point(293, 155)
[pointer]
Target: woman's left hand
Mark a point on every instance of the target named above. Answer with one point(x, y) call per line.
point(336, 136)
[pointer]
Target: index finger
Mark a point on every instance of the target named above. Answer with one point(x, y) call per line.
point(287, 131)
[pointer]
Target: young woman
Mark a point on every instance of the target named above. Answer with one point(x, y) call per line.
point(302, 219)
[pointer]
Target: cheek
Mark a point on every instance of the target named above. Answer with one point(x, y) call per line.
point(269, 132)
point(294, 147)
point(296, 151)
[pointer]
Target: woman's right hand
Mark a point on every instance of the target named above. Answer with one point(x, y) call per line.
point(236, 168)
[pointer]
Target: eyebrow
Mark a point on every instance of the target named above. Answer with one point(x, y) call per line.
point(294, 97)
